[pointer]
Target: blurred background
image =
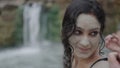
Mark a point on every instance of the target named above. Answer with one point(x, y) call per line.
point(30, 31)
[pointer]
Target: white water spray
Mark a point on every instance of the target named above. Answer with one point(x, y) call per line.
point(31, 16)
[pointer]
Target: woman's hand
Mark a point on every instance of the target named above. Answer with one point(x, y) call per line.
point(113, 59)
point(112, 42)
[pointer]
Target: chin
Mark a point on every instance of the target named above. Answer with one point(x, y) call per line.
point(83, 56)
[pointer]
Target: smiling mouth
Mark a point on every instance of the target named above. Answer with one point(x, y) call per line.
point(84, 49)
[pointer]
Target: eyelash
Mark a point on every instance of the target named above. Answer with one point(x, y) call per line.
point(78, 32)
point(94, 33)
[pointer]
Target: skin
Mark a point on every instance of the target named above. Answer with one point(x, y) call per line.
point(113, 60)
point(113, 43)
point(85, 41)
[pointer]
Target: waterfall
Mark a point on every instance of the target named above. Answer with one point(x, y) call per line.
point(46, 55)
point(31, 18)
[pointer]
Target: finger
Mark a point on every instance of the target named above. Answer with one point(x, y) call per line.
point(116, 39)
point(113, 46)
point(115, 36)
point(107, 43)
point(112, 58)
point(119, 56)
point(108, 37)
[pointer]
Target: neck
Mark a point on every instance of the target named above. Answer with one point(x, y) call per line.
point(85, 62)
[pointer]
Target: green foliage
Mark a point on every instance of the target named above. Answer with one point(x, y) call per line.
point(7, 27)
point(18, 34)
point(53, 24)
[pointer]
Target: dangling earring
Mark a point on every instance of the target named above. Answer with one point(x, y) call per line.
point(101, 45)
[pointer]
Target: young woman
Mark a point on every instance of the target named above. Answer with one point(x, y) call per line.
point(82, 30)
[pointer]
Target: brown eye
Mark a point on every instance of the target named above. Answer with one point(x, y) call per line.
point(94, 33)
point(78, 32)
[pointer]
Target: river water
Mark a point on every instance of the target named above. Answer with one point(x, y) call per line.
point(48, 55)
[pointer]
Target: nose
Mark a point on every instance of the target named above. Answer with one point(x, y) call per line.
point(85, 42)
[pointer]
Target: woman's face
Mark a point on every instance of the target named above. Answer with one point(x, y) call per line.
point(85, 39)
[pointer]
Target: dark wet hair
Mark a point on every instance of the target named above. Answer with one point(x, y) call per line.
point(76, 8)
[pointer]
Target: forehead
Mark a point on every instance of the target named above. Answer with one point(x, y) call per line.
point(87, 21)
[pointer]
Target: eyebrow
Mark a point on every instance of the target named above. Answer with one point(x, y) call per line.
point(90, 29)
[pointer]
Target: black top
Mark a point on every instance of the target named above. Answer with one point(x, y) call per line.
point(103, 59)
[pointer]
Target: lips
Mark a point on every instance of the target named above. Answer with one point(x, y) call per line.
point(84, 49)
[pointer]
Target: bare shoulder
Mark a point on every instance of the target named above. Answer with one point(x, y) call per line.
point(101, 64)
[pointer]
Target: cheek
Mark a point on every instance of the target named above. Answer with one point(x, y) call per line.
point(95, 41)
point(73, 40)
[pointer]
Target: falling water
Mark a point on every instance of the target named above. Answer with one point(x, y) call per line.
point(31, 24)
